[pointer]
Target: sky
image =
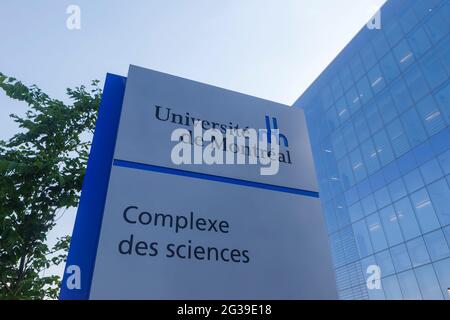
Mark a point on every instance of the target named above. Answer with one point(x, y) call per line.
point(272, 49)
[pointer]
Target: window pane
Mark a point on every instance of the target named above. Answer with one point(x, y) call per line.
point(407, 162)
point(428, 283)
point(330, 217)
point(416, 83)
point(443, 47)
point(376, 294)
point(440, 142)
point(373, 117)
point(364, 90)
point(423, 153)
point(346, 78)
point(336, 88)
point(440, 195)
point(442, 271)
point(369, 205)
point(348, 242)
point(357, 67)
point(437, 245)
point(431, 171)
point(403, 54)
point(376, 232)
point(398, 138)
point(380, 45)
point(443, 99)
point(391, 226)
point(357, 164)
point(368, 56)
point(407, 219)
point(364, 188)
point(382, 197)
point(408, 20)
point(436, 27)
point(419, 42)
point(384, 261)
point(326, 97)
point(341, 211)
point(349, 136)
point(444, 161)
point(332, 119)
point(397, 189)
point(386, 107)
point(413, 180)
point(337, 251)
point(337, 142)
point(353, 100)
point(342, 110)
point(376, 79)
point(359, 121)
point(413, 127)
point(351, 196)
point(424, 211)
point(391, 172)
point(422, 8)
point(355, 212)
point(400, 258)
point(362, 238)
point(391, 288)
point(430, 115)
point(408, 285)
point(418, 252)
point(383, 147)
point(377, 180)
point(389, 67)
point(433, 70)
point(370, 156)
point(393, 32)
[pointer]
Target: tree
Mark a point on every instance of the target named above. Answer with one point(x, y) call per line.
point(41, 170)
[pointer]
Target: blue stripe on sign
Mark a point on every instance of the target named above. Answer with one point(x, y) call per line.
point(83, 247)
point(203, 176)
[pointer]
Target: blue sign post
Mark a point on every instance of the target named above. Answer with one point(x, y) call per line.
point(84, 243)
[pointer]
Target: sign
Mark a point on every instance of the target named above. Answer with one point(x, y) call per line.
point(149, 227)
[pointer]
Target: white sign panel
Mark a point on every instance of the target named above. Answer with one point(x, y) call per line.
point(199, 231)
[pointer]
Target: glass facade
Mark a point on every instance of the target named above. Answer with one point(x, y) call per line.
point(378, 119)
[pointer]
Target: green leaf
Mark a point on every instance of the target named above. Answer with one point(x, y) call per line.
point(46, 161)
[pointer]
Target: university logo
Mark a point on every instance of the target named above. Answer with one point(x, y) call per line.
point(275, 127)
point(218, 143)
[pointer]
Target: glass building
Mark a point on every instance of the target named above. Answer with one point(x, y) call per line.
point(378, 118)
